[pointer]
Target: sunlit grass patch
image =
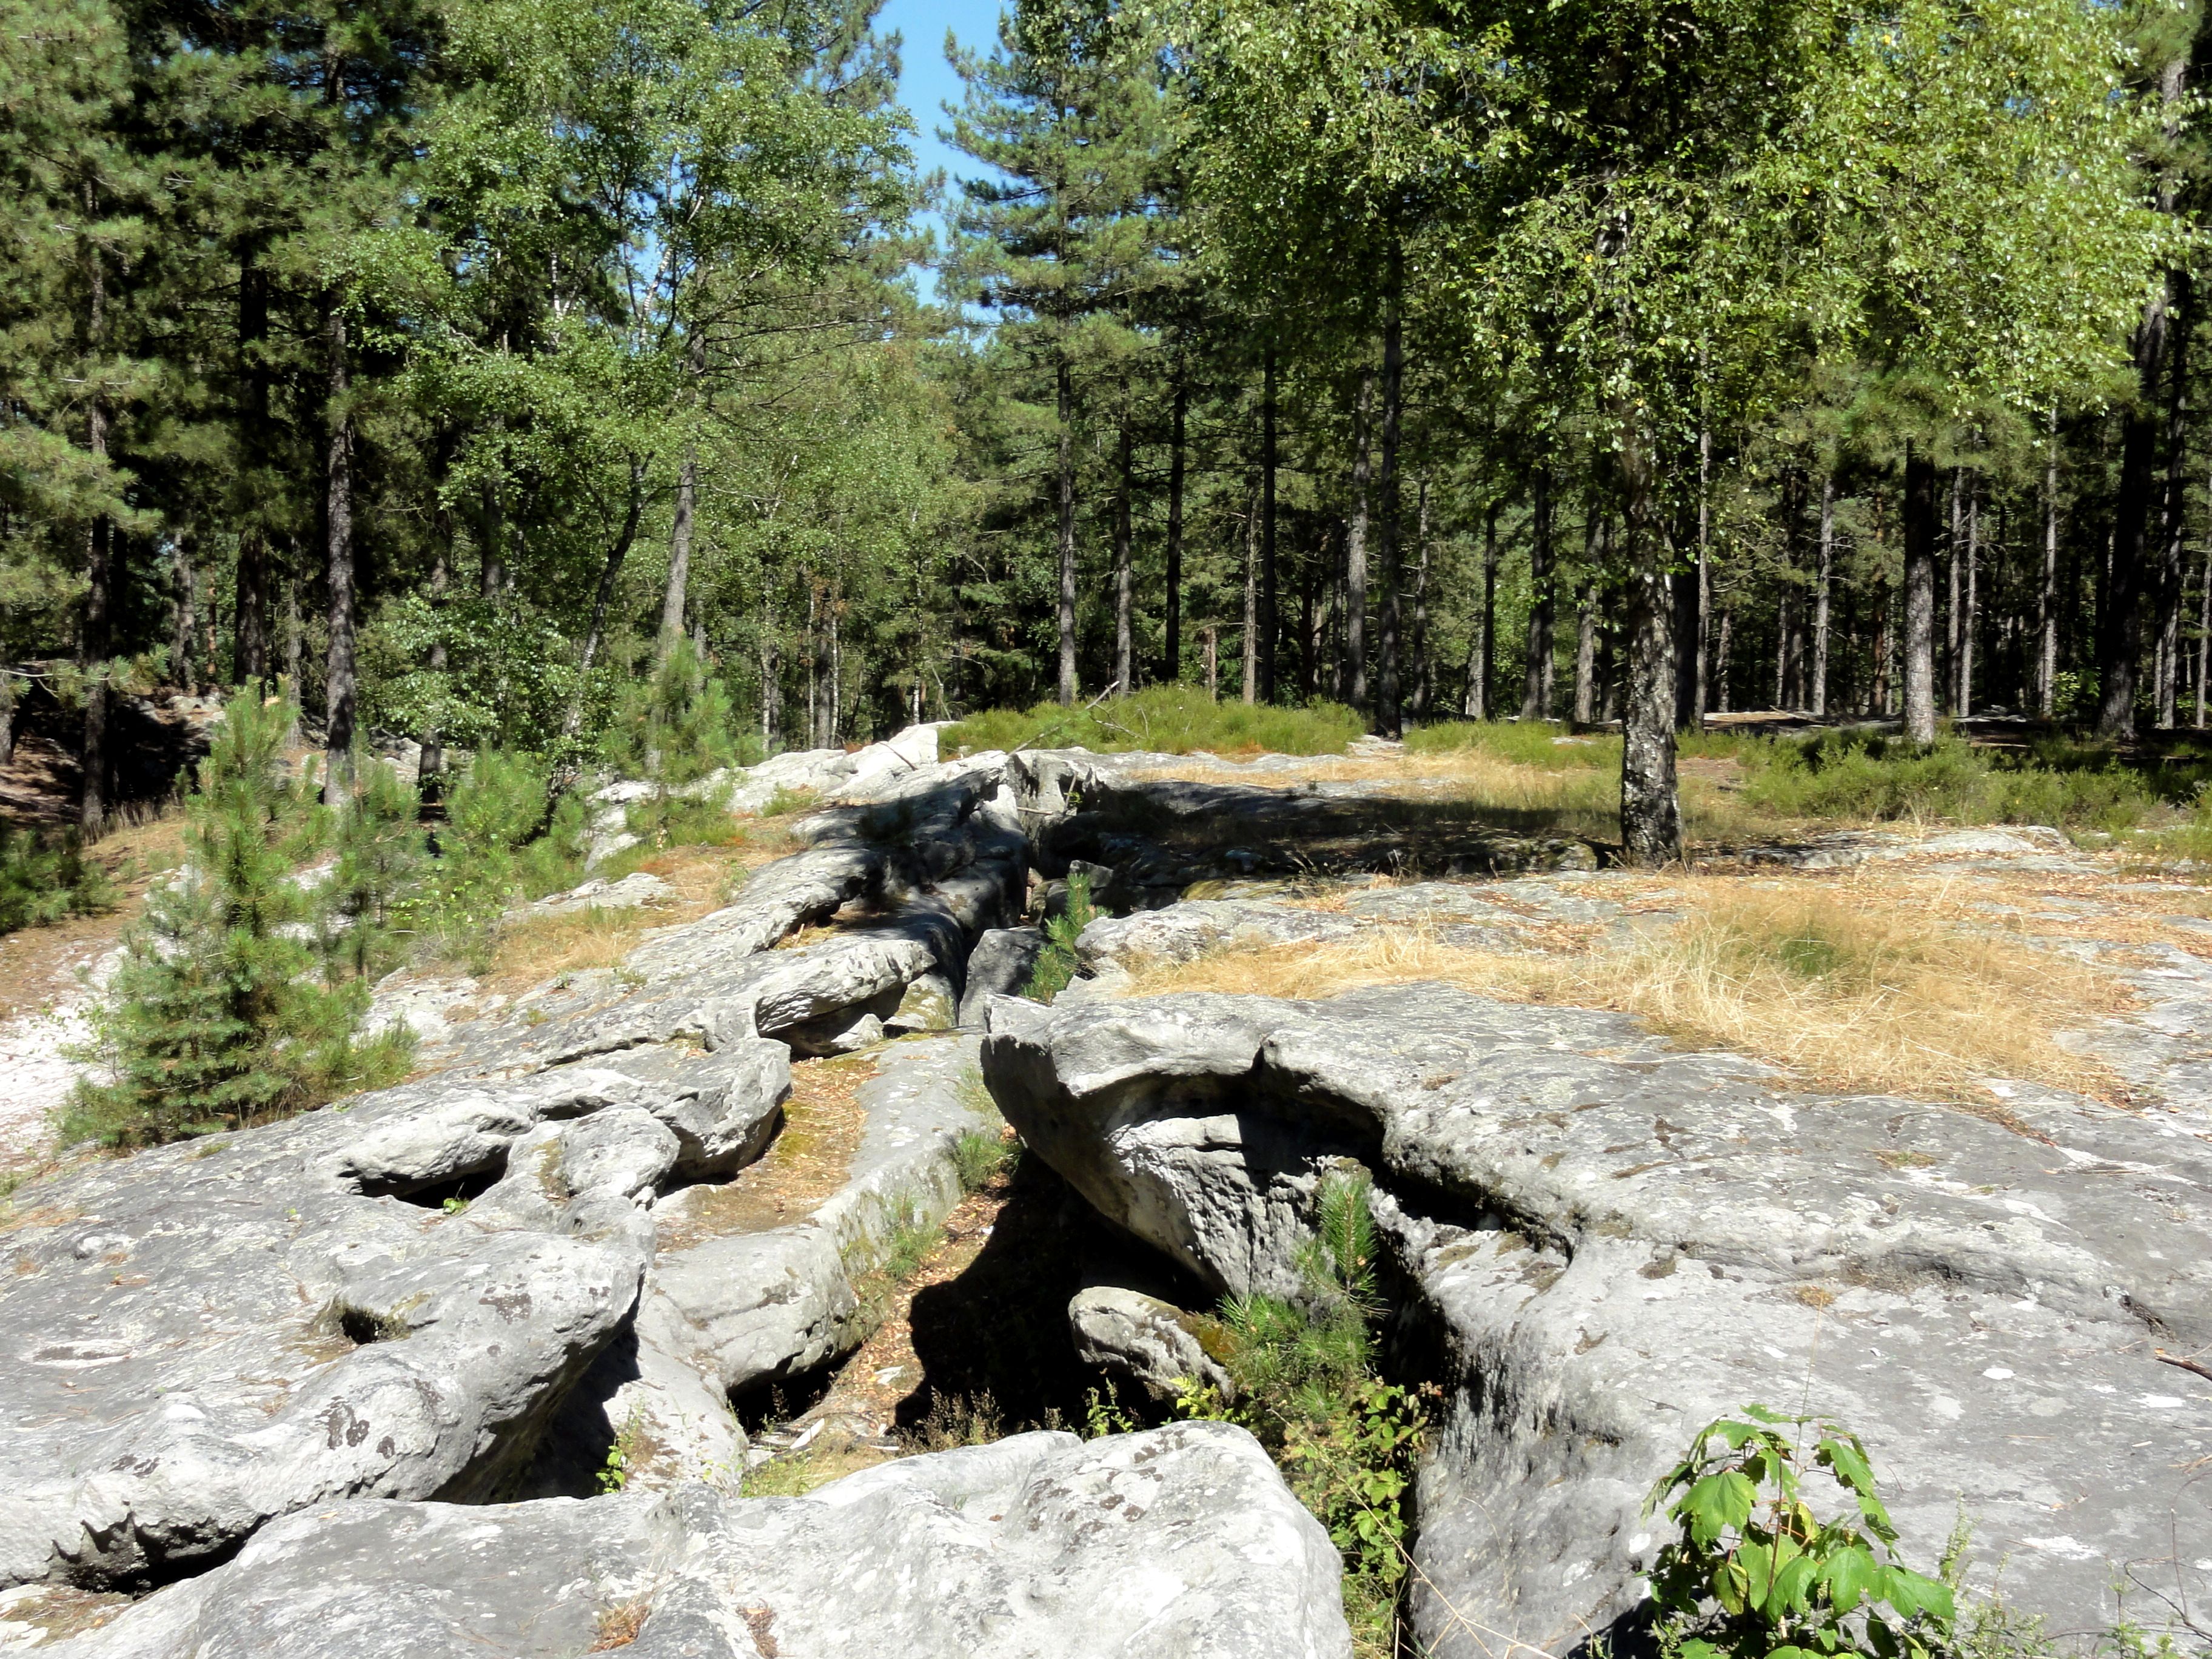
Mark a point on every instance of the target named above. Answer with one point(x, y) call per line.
point(1173, 720)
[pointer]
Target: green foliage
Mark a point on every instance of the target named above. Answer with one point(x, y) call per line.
point(1525, 743)
point(1104, 1414)
point(505, 839)
point(377, 838)
point(982, 1158)
point(1866, 775)
point(675, 731)
point(216, 1017)
point(1168, 720)
point(1302, 1371)
point(42, 882)
point(1055, 967)
point(1756, 1572)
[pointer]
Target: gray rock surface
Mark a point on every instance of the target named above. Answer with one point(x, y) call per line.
point(1605, 1243)
point(1181, 1543)
point(999, 965)
point(1141, 1338)
point(634, 889)
point(207, 1335)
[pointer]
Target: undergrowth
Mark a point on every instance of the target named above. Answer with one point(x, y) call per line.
point(1054, 968)
point(1302, 1374)
point(43, 882)
point(1169, 720)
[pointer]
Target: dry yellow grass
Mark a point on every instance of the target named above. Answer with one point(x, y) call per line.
point(1842, 986)
point(542, 948)
point(823, 1123)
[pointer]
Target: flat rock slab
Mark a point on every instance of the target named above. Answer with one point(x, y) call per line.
point(1605, 1243)
point(1181, 1543)
point(204, 1336)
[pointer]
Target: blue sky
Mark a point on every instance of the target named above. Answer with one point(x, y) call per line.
point(927, 81)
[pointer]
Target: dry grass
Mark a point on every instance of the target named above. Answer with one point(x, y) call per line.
point(822, 1122)
point(542, 948)
point(1840, 984)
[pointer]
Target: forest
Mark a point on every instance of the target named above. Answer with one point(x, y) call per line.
point(451, 367)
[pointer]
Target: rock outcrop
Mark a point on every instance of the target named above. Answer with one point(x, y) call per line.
point(1178, 1544)
point(1602, 1244)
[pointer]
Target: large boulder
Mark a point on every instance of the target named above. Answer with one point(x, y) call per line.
point(210, 1334)
point(1602, 1243)
point(1178, 1544)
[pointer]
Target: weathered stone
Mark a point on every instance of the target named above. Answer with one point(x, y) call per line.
point(1608, 1243)
point(628, 894)
point(211, 1334)
point(999, 965)
point(1143, 1339)
point(1181, 1543)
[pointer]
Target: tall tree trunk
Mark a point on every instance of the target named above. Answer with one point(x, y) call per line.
point(1954, 568)
point(1065, 389)
point(1171, 647)
point(1252, 598)
point(1919, 515)
point(185, 598)
point(249, 650)
point(491, 542)
point(95, 643)
point(673, 598)
point(2047, 597)
point(1586, 652)
point(1388, 699)
point(1651, 809)
point(771, 692)
point(609, 573)
point(2120, 632)
point(1703, 684)
point(338, 687)
point(1783, 607)
point(1536, 688)
point(2173, 513)
point(2204, 635)
point(1125, 575)
point(1969, 616)
point(1720, 677)
point(1270, 617)
point(1355, 551)
point(431, 774)
point(1417, 639)
point(674, 595)
point(1823, 578)
point(1481, 647)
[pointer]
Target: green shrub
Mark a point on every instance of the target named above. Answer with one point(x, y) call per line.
point(1172, 719)
point(505, 838)
point(43, 883)
point(1525, 743)
point(378, 839)
point(1055, 964)
point(216, 1017)
point(1757, 1574)
point(1304, 1372)
point(1867, 776)
point(980, 1157)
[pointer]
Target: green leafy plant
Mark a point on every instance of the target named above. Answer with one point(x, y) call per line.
point(378, 840)
point(1302, 1371)
point(981, 1157)
point(1055, 969)
point(1757, 1573)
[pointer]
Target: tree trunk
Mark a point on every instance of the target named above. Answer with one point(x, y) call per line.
point(1480, 647)
point(338, 688)
point(293, 640)
point(1536, 688)
point(2047, 597)
point(2204, 635)
point(1969, 616)
point(771, 694)
point(1355, 552)
point(431, 774)
point(249, 650)
point(1125, 577)
point(491, 543)
point(2173, 513)
point(679, 560)
point(1252, 600)
point(609, 573)
point(1651, 809)
point(94, 644)
point(1171, 647)
point(1387, 716)
point(184, 612)
point(1822, 580)
point(2120, 631)
point(1919, 515)
point(1954, 570)
point(1720, 677)
point(1586, 652)
point(1783, 607)
point(1065, 403)
point(1703, 684)
point(1270, 617)
point(1417, 639)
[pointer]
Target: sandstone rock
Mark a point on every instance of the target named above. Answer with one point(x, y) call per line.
point(1143, 1339)
point(631, 891)
point(999, 965)
point(1605, 1243)
point(213, 1333)
point(1181, 1543)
